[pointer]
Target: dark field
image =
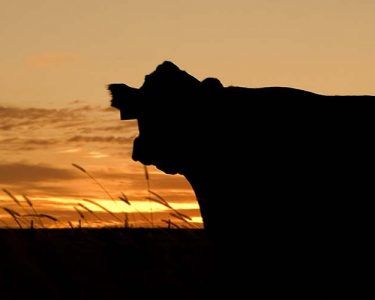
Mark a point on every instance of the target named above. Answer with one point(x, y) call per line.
point(104, 263)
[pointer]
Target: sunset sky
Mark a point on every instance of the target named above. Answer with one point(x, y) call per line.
point(58, 56)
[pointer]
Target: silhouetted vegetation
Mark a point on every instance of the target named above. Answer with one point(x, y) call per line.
point(104, 263)
point(26, 216)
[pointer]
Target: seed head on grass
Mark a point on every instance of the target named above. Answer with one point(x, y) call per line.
point(156, 200)
point(160, 198)
point(162, 201)
point(181, 217)
point(90, 211)
point(12, 197)
point(103, 208)
point(11, 212)
point(81, 215)
point(186, 217)
point(14, 215)
point(147, 176)
point(42, 216)
point(30, 203)
point(144, 217)
point(177, 216)
point(93, 178)
point(79, 168)
point(125, 199)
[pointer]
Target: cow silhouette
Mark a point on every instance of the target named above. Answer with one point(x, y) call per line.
point(275, 166)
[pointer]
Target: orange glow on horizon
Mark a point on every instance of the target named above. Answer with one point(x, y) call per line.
point(113, 214)
point(40, 148)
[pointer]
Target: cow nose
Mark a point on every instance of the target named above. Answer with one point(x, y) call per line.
point(126, 99)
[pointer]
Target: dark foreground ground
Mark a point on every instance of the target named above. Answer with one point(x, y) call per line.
point(104, 263)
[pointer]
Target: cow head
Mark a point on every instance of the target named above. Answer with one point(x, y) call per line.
point(167, 108)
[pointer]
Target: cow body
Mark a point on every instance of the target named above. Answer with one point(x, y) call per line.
point(276, 167)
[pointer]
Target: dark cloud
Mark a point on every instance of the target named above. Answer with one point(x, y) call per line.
point(121, 127)
point(85, 117)
point(72, 124)
point(42, 142)
point(159, 181)
point(15, 173)
point(16, 117)
point(23, 113)
point(17, 144)
point(100, 139)
point(77, 101)
point(83, 124)
point(8, 140)
point(21, 124)
point(45, 188)
point(7, 126)
point(110, 109)
point(38, 113)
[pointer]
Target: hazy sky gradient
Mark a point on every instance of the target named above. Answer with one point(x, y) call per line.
point(53, 52)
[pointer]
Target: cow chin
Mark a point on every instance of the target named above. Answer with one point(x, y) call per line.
point(142, 154)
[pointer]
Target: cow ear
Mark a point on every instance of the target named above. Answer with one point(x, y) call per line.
point(126, 99)
point(211, 83)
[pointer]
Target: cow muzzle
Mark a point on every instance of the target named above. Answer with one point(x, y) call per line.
point(126, 99)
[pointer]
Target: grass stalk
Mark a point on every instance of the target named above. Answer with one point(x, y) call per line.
point(147, 176)
point(93, 179)
point(14, 215)
point(103, 208)
point(31, 205)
